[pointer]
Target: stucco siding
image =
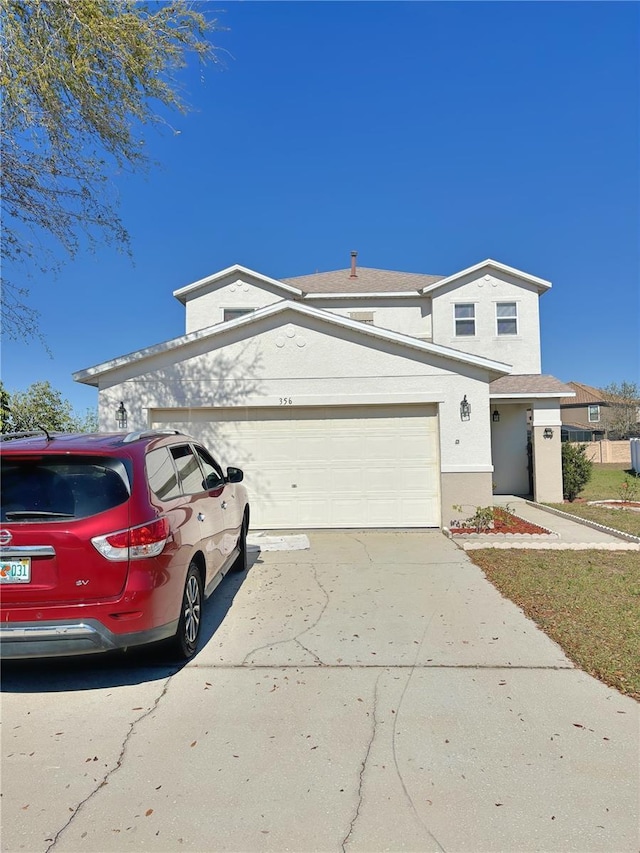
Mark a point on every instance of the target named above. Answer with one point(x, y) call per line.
point(208, 307)
point(408, 316)
point(484, 290)
point(302, 363)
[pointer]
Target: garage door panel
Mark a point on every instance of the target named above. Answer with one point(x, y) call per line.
point(336, 467)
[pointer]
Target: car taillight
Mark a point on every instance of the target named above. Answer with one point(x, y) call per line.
point(135, 543)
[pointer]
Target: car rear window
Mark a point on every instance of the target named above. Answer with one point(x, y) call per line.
point(49, 487)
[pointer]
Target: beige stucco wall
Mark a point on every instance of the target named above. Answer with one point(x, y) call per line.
point(547, 452)
point(485, 289)
point(608, 451)
point(462, 493)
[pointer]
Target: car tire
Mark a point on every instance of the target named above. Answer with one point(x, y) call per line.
point(185, 642)
point(240, 563)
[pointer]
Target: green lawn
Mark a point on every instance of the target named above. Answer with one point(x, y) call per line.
point(606, 483)
point(587, 601)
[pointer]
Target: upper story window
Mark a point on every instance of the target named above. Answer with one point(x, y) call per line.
point(507, 318)
point(465, 319)
point(234, 313)
point(594, 414)
point(362, 316)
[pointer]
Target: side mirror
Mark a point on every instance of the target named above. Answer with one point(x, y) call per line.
point(234, 475)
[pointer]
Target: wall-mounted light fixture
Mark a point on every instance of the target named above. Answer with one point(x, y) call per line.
point(121, 416)
point(548, 432)
point(465, 409)
point(495, 417)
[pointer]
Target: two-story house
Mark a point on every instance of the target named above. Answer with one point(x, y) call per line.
point(359, 397)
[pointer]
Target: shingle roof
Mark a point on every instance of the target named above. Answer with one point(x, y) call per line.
point(528, 383)
point(585, 395)
point(369, 280)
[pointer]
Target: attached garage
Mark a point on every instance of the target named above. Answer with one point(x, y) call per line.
point(326, 467)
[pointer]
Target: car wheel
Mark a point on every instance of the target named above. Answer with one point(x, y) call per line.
point(240, 563)
point(186, 639)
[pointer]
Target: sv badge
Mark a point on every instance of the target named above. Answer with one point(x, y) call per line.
point(82, 583)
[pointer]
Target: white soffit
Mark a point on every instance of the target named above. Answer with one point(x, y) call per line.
point(183, 294)
point(541, 283)
point(90, 375)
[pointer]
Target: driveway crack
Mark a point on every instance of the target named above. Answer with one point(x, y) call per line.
point(363, 767)
point(395, 724)
point(296, 638)
point(114, 769)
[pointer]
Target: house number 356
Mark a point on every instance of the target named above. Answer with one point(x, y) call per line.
point(286, 401)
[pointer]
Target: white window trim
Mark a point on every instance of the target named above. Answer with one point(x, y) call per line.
point(595, 420)
point(515, 317)
point(464, 319)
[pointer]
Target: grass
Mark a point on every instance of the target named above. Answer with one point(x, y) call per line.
point(587, 601)
point(606, 484)
point(605, 481)
point(626, 520)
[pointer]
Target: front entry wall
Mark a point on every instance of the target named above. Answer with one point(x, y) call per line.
point(326, 467)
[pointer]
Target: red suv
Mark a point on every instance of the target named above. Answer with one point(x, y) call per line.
point(112, 540)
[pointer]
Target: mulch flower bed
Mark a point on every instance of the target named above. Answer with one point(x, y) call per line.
point(504, 522)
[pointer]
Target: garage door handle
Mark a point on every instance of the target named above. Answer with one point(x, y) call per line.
point(200, 517)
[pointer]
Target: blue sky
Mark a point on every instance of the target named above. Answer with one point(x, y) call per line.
point(426, 136)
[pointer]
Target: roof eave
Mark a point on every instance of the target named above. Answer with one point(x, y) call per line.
point(542, 284)
point(183, 294)
point(91, 375)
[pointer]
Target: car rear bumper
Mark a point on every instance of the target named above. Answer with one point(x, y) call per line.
point(71, 637)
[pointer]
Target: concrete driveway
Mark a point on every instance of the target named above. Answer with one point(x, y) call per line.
point(371, 693)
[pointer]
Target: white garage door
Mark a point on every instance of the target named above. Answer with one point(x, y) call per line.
point(351, 466)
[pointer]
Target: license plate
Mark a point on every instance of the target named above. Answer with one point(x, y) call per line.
point(15, 571)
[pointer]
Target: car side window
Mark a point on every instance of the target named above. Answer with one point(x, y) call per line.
point(161, 473)
point(189, 471)
point(213, 476)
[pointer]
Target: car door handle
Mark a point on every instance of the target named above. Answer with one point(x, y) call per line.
point(200, 517)
point(223, 504)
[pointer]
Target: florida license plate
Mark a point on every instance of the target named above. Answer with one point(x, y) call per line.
point(15, 571)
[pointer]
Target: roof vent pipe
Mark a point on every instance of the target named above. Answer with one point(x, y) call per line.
point(354, 274)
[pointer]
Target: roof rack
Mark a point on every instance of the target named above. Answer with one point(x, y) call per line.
point(30, 433)
point(148, 433)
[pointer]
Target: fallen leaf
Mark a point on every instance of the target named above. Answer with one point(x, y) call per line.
point(194, 743)
point(499, 804)
point(578, 725)
point(25, 807)
point(148, 812)
point(139, 708)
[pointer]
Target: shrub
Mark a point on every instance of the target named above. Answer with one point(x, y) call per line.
point(576, 469)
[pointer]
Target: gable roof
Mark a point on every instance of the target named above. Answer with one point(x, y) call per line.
point(367, 280)
point(91, 375)
point(184, 294)
point(585, 395)
point(541, 284)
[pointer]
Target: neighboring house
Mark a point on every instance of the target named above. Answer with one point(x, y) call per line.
point(591, 414)
point(359, 397)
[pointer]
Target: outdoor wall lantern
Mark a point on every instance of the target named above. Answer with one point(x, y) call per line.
point(548, 432)
point(495, 417)
point(465, 409)
point(121, 416)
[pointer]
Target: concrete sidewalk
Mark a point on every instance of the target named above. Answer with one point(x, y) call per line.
point(568, 533)
point(373, 692)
